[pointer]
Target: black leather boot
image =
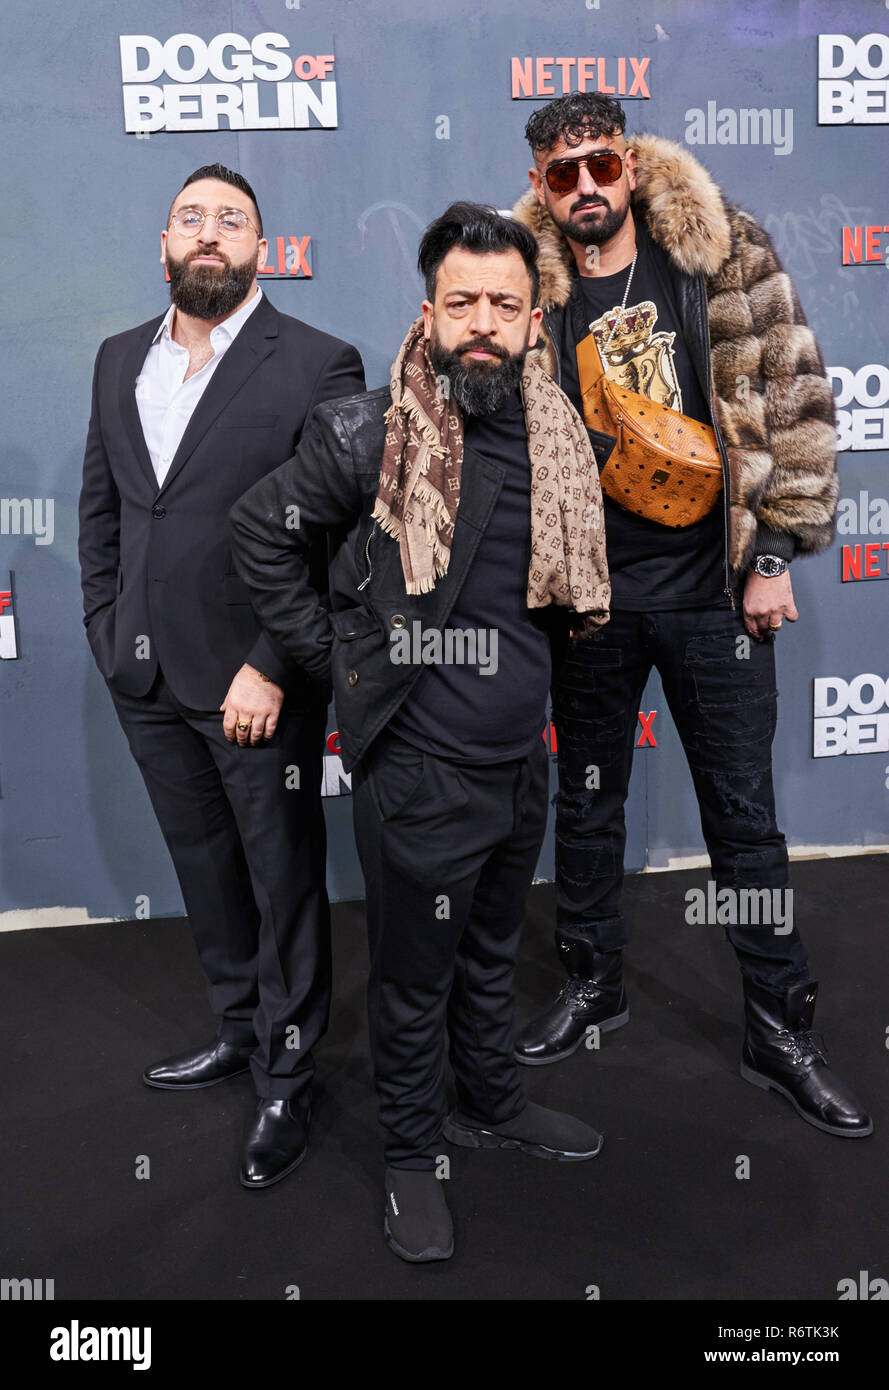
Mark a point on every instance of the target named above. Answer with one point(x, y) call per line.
point(781, 1053)
point(277, 1140)
point(593, 995)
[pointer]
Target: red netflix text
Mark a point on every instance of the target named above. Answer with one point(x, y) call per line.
point(288, 258)
point(549, 77)
point(865, 561)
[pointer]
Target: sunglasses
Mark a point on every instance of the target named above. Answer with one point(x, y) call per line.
point(603, 167)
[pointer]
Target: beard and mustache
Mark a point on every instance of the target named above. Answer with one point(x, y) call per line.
point(207, 291)
point(479, 388)
point(588, 232)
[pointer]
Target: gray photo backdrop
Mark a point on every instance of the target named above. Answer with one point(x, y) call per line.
point(425, 114)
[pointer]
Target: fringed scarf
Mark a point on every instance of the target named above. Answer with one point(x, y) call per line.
point(419, 487)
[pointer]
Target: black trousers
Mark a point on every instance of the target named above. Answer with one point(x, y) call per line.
point(448, 852)
point(720, 686)
point(249, 853)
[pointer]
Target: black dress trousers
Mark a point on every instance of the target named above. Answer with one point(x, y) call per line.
point(448, 852)
point(245, 830)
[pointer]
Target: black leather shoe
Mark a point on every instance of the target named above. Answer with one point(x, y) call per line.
point(782, 1054)
point(417, 1225)
point(203, 1066)
point(593, 995)
point(277, 1141)
point(536, 1130)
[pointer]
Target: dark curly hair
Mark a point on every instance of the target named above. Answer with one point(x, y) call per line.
point(478, 228)
point(578, 116)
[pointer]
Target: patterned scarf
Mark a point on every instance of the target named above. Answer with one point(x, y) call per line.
point(419, 487)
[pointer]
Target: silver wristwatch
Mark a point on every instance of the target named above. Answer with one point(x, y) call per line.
point(769, 566)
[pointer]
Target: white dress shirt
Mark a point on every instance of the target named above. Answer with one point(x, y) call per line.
point(165, 400)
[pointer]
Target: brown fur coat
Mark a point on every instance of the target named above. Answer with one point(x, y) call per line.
point(779, 431)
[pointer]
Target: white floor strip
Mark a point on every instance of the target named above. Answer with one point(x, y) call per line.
point(28, 919)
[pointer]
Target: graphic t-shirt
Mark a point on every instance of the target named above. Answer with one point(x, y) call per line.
point(652, 567)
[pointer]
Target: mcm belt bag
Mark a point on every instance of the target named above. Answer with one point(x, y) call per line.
point(664, 466)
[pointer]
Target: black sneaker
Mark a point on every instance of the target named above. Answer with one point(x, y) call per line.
point(417, 1224)
point(537, 1131)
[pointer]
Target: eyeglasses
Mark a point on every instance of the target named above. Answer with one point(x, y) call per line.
point(603, 167)
point(230, 222)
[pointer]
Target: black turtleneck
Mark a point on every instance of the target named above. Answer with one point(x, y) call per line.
point(454, 710)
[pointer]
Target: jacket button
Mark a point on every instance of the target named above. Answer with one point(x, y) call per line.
point(158, 511)
point(397, 620)
point(353, 677)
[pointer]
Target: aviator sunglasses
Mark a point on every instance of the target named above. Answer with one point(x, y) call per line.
point(603, 166)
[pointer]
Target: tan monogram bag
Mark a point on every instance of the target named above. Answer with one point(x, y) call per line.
point(664, 466)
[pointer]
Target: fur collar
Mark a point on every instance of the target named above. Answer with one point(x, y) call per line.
point(682, 206)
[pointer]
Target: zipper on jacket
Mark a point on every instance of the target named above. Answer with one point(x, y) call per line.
point(726, 502)
point(364, 583)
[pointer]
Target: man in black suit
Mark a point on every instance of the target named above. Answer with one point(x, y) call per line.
point(188, 411)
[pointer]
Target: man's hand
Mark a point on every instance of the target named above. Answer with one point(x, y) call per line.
point(767, 602)
point(251, 708)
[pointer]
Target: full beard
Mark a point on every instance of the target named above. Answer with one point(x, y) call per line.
point(479, 388)
point(204, 292)
point(587, 232)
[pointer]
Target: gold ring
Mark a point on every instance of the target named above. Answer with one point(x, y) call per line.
point(773, 627)
point(242, 725)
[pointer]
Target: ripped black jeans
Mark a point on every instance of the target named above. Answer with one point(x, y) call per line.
point(721, 692)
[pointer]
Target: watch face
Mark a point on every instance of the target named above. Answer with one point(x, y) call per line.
point(769, 566)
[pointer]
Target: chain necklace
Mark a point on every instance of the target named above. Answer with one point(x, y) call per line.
point(623, 303)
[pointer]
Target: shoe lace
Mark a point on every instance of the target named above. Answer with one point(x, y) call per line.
point(578, 993)
point(803, 1044)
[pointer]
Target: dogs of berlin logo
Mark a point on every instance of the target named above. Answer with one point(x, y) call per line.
point(250, 86)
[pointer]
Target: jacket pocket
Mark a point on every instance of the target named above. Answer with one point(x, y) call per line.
point(350, 623)
point(394, 773)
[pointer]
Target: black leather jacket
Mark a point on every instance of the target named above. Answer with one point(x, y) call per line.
point(332, 482)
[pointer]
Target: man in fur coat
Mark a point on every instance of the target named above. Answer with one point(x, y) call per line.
point(688, 305)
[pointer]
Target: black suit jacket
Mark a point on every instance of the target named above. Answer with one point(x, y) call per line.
point(159, 585)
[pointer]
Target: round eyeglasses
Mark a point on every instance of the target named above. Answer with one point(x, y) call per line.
point(230, 222)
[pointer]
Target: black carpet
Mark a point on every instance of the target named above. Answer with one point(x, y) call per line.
point(660, 1214)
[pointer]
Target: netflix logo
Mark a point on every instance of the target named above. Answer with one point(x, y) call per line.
point(288, 259)
point(862, 245)
point(8, 648)
point(868, 561)
point(530, 78)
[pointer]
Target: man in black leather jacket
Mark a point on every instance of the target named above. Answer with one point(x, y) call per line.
point(450, 772)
